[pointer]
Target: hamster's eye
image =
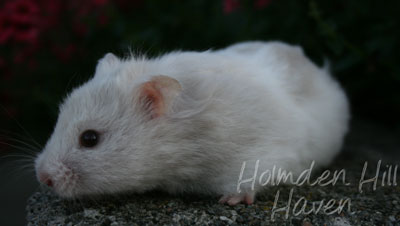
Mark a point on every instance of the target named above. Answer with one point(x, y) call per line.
point(89, 138)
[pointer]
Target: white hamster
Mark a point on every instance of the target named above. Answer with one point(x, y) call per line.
point(187, 121)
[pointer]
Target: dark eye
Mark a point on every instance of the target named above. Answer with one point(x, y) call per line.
point(89, 138)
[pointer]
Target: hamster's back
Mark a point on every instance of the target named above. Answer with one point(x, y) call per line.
point(323, 103)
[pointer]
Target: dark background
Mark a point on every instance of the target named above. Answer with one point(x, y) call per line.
point(47, 47)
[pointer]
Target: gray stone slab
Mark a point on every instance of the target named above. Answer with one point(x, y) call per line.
point(371, 207)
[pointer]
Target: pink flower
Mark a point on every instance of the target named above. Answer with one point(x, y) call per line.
point(100, 2)
point(27, 35)
point(6, 28)
point(52, 10)
point(52, 6)
point(260, 4)
point(230, 6)
point(19, 21)
point(22, 11)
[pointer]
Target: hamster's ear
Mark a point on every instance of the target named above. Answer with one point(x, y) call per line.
point(157, 95)
point(106, 64)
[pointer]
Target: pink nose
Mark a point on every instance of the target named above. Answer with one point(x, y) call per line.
point(45, 179)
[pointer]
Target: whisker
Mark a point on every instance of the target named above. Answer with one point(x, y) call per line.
point(21, 160)
point(17, 157)
point(18, 170)
point(8, 134)
point(23, 165)
point(19, 125)
point(34, 148)
point(20, 157)
point(23, 149)
point(28, 168)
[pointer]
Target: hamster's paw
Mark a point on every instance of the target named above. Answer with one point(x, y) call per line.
point(247, 198)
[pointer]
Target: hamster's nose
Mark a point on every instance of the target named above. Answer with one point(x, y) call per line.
point(45, 179)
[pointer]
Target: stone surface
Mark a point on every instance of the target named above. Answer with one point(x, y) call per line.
point(371, 207)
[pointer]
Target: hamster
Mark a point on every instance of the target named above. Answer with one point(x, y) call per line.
point(185, 122)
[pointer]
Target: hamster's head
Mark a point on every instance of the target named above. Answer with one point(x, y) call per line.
point(102, 141)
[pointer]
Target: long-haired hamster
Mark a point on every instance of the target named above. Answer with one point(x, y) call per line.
point(187, 121)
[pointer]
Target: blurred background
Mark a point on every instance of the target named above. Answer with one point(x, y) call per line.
point(47, 47)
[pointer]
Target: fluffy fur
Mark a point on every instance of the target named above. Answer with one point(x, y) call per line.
point(250, 101)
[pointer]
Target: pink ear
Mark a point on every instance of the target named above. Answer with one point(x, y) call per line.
point(158, 94)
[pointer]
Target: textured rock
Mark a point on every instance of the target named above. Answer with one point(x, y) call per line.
point(366, 143)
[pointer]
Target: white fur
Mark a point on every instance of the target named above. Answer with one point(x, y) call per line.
point(250, 101)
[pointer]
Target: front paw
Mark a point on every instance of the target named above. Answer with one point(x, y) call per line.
point(233, 199)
